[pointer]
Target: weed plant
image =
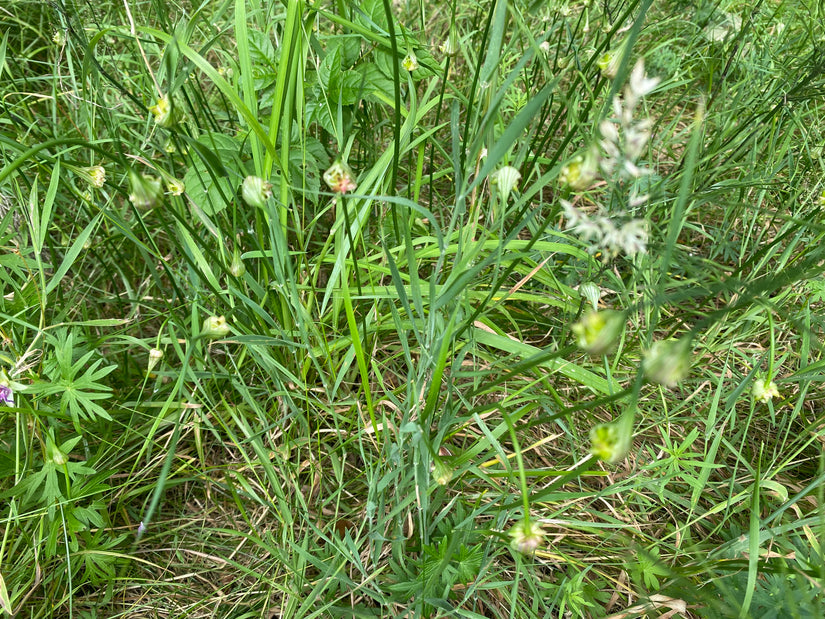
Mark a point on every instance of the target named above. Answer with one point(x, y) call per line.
point(412, 309)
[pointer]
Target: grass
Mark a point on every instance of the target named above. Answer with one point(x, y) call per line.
point(406, 213)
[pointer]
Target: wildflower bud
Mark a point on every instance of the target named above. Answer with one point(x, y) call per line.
point(598, 332)
point(764, 390)
point(339, 177)
point(668, 361)
point(146, 190)
point(442, 473)
point(165, 112)
point(526, 536)
point(581, 171)
point(506, 179)
point(175, 186)
point(544, 46)
point(450, 45)
point(256, 191)
point(215, 327)
point(94, 175)
point(609, 442)
point(59, 38)
point(155, 355)
point(410, 62)
point(236, 267)
point(609, 63)
point(53, 453)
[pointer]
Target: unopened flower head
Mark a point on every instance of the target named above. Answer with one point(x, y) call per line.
point(146, 190)
point(175, 186)
point(442, 473)
point(668, 361)
point(450, 45)
point(164, 112)
point(59, 38)
point(527, 536)
point(94, 175)
point(215, 327)
point(155, 355)
point(340, 178)
point(236, 267)
point(598, 332)
point(610, 442)
point(764, 390)
point(580, 172)
point(506, 179)
point(410, 62)
point(256, 191)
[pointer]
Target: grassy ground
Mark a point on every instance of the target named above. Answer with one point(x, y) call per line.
point(437, 309)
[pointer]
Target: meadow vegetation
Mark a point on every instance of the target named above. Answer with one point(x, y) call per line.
point(468, 308)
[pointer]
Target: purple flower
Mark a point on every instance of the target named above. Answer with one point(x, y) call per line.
point(6, 395)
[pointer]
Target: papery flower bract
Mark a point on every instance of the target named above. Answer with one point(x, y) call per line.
point(146, 190)
point(764, 390)
point(506, 179)
point(215, 327)
point(668, 361)
point(609, 442)
point(526, 536)
point(256, 191)
point(59, 38)
point(340, 178)
point(450, 45)
point(598, 332)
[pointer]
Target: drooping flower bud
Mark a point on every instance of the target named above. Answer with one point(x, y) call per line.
point(610, 442)
point(165, 112)
point(155, 355)
point(410, 62)
point(340, 178)
point(598, 332)
point(526, 536)
point(93, 175)
point(236, 267)
point(146, 190)
point(256, 191)
point(215, 327)
point(668, 361)
point(442, 473)
point(580, 172)
point(764, 390)
point(506, 179)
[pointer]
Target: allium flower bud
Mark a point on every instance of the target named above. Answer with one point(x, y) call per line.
point(609, 63)
point(410, 62)
point(146, 190)
point(764, 390)
point(580, 172)
point(339, 177)
point(598, 332)
point(215, 327)
point(94, 175)
point(442, 473)
point(526, 536)
point(155, 355)
point(450, 45)
point(609, 442)
point(506, 179)
point(668, 361)
point(59, 38)
point(236, 267)
point(256, 191)
point(175, 186)
point(165, 112)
